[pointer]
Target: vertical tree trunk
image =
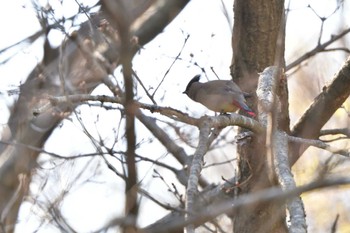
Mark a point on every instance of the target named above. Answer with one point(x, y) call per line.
point(258, 42)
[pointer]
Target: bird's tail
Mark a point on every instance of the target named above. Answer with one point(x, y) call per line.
point(247, 109)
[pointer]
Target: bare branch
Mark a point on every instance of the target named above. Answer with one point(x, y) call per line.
point(172, 64)
point(319, 48)
point(143, 87)
point(155, 200)
point(266, 92)
point(285, 178)
point(118, 13)
point(164, 138)
point(157, 18)
point(334, 225)
point(344, 131)
point(277, 144)
point(321, 110)
point(320, 144)
point(220, 121)
point(195, 170)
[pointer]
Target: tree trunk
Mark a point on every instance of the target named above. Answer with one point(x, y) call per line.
point(258, 42)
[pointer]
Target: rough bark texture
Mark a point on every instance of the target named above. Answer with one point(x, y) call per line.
point(258, 42)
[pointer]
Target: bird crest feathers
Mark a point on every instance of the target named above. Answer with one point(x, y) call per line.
point(193, 80)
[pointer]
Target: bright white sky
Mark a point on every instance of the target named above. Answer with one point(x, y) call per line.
point(210, 42)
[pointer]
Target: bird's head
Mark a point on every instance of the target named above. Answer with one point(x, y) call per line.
point(193, 80)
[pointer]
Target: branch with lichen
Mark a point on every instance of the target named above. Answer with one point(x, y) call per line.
point(277, 145)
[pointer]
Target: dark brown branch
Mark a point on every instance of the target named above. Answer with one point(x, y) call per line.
point(118, 13)
point(321, 110)
point(165, 11)
point(344, 131)
point(334, 225)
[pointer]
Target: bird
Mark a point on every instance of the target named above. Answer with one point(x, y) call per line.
point(219, 95)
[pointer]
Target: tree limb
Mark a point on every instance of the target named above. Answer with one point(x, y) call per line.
point(321, 110)
point(195, 170)
point(285, 178)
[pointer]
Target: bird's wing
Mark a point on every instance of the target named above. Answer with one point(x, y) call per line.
point(232, 87)
point(222, 86)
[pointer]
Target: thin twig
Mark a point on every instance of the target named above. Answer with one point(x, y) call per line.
point(319, 144)
point(172, 64)
point(317, 49)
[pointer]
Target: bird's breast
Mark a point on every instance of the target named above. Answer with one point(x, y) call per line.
point(219, 103)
